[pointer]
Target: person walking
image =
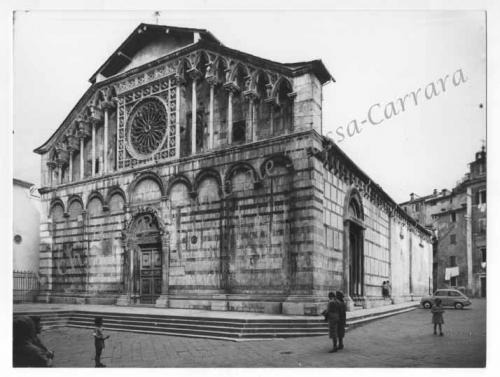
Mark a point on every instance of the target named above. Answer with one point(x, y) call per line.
point(333, 313)
point(437, 316)
point(99, 339)
point(342, 319)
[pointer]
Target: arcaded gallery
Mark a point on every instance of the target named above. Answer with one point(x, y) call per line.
point(193, 175)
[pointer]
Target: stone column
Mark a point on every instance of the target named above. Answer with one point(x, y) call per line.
point(179, 81)
point(230, 117)
point(51, 165)
point(105, 159)
point(195, 74)
point(82, 161)
point(211, 118)
point(93, 149)
point(70, 166)
point(468, 242)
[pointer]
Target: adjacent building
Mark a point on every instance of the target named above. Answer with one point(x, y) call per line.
point(193, 175)
point(458, 220)
point(25, 226)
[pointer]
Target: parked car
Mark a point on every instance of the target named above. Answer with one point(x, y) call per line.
point(449, 297)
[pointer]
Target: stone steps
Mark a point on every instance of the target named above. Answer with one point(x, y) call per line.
point(224, 328)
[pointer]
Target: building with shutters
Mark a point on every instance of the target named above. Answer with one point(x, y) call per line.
point(458, 220)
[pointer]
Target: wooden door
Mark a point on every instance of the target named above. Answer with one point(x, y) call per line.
point(150, 274)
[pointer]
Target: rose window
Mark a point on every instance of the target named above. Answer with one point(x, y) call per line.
point(147, 127)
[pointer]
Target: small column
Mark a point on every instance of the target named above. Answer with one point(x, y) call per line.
point(179, 81)
point(193, 117)
point(51, 165)
point(230, 117)
point(82, 161)
point(93, 149)
point(195, 74)
point(105, 159)
point(59, 172)
point(211, 118)
point(70, 178)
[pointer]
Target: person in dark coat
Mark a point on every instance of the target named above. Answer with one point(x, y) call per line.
point(333, 313)
point(25, 352)
point(342, 318)
point(37, 321)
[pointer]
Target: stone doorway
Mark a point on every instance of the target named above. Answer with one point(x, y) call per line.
point(150, 273)
point(356, 270)
point(144, 269)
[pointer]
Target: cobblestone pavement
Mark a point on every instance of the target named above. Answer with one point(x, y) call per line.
point(404, 340)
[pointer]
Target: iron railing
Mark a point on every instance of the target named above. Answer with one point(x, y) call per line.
point(26, 286)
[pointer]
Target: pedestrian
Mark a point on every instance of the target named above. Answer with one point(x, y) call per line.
point(99, 339)
point(333, 313)
point(384, 289)
point(437, 316)
point(37, 321)
point(389, 288)
point(342, 319)
point(25, 352)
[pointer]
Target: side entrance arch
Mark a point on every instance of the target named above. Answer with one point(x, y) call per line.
point(354, 271)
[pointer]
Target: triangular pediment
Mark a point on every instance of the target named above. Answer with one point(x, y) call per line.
point(148, 43)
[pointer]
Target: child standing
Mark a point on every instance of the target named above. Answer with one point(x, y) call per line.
point(437, 316)
point(99, 339)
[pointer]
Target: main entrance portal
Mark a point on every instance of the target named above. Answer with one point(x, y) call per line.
point(146, 259)
point(150, 273)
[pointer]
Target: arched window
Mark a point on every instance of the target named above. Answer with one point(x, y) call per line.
point(220, 104)
point(283, 113)
point(262, 109)
point(240, 109)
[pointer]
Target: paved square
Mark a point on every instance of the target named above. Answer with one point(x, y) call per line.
point(405, 340)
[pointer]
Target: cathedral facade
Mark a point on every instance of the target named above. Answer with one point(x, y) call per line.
point(193, 175)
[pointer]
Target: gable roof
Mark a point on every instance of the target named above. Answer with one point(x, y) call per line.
point(138, 38)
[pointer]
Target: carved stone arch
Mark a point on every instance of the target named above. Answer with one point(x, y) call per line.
point(237, 67)
point(140, 212)
point(256, 75)
point(282, 80)
point(98, 98)
point(56, 201)
point(74, 198)
point(354, 198)
point(221, 65)
point(71, 200)
point(273, 160)
point(94, 195)
point(237, 168)
point(115, 191)
point(206, 173)
point(146, 175)
point(182, 66)
point(179, 178)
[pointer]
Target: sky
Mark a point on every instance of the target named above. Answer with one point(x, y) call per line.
point(375, 57)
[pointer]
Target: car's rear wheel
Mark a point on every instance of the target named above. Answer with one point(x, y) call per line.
point(459, 305)
point(427, 305)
